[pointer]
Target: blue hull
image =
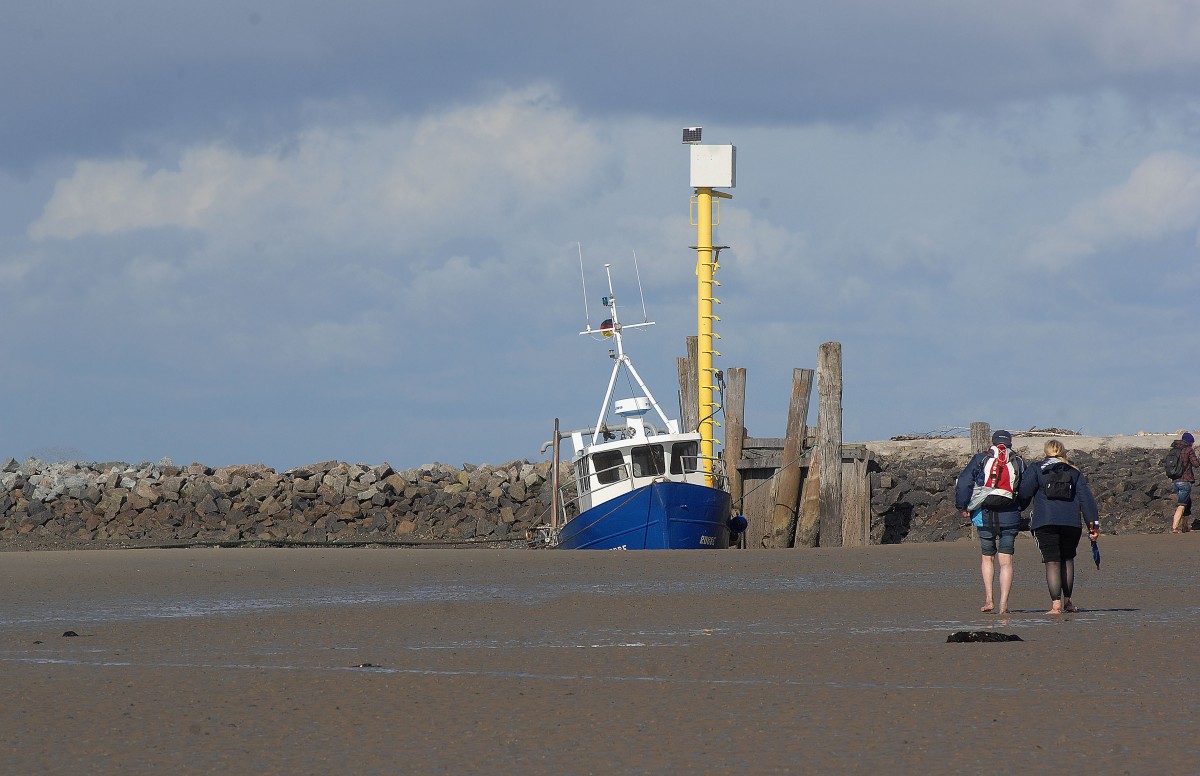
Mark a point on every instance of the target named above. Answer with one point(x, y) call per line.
point(659, 516)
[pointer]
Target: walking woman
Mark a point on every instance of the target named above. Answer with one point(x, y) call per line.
point(1060, 496)
point(1183, 484)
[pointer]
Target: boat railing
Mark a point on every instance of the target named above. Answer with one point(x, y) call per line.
point(621, 479)
point(573, 489)
point(692, 466)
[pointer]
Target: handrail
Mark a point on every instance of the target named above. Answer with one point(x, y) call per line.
point(718, 473)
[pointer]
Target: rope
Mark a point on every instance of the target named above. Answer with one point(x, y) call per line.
point(742, 501)
point(632, 494)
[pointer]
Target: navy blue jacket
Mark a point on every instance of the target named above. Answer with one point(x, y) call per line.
point(1048, 511)
point(972, 476)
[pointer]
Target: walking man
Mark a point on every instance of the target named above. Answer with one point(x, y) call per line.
point(985, 492)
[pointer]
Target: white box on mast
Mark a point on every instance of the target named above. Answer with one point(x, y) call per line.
point(714, 166)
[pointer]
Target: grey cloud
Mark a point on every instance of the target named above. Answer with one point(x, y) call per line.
point(104, 79)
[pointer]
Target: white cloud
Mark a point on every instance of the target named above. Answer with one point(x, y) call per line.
point(1161, 196)
point(445, 175)
point(117, 196)
point(519, 149)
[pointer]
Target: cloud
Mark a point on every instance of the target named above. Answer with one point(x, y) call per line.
point(444, 175)
point(1137, 35)
point(128, 69)
point(117, 196)
point(1160, 197)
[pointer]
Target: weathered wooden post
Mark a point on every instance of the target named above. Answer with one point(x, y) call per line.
point(981, 439)
point(689, 393)
point(735, 431)
point(555, 506)
point(981, 436)
point(856, 504)
point(787, 483)
point(808, 524)
point(829, 441)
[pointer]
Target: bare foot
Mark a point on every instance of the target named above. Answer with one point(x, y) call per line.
point(1055, 608)
point(1004, 610)
point(1069, 607)
point(987, 607)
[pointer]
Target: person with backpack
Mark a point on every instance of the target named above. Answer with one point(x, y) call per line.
point(985, 491)
point(1060, 495)
point(1180, 466)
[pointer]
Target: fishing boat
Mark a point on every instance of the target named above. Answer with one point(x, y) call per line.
point(638, 481)
point(636, 484)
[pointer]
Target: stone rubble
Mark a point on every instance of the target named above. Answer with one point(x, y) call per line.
point(78, 505)
point(73, 504)
point(912, 494)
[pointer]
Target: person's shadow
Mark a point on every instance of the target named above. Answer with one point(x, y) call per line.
point(1083, 610)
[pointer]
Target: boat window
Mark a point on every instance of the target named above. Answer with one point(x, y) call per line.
point(610, 467)
point(685, 457)
point(648, 461)
point(581, 475)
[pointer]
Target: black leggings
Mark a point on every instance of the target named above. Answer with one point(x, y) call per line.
point(1058, 545)
point(1060, 578)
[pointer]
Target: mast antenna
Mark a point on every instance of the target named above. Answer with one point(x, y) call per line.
point(645, 315)
point(587, 318)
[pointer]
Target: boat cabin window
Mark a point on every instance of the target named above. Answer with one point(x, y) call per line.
point(648, 461)
point(685, 457)
point(581, 475)
point(609, 466)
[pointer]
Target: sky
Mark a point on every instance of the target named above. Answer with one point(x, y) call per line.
point(292, 232)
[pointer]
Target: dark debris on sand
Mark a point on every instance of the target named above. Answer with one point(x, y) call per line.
point(963, 637)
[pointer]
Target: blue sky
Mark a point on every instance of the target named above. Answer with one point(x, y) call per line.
point(288, 232)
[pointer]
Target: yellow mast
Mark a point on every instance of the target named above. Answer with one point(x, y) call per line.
point(706, 269)
point(712, 166)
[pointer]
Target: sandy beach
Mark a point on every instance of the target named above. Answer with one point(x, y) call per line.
point(485, 661)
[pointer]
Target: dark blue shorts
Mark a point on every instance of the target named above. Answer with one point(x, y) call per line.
point(1006, 538)
point(1183, 493)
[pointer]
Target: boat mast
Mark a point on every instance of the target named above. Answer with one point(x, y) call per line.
point(614, 330)
point(712, 166)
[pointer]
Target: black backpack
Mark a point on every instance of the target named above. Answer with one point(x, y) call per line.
point(1058, 483)
point(1173, 463)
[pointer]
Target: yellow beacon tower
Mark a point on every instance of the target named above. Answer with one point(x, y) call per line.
point(713, 167)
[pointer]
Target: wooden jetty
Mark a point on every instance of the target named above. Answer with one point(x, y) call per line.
point(780, 484)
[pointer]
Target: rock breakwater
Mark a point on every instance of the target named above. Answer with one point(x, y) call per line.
point(912, 486)
point(81, 505)
point(74, 505)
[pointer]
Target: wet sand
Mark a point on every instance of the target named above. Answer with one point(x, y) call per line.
point(483, 661)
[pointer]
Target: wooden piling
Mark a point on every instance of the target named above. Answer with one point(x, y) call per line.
point(981, 436)
point(555, 507)
point(808, 521)
point(829, 443)
point(981, 439)
point(689, 388)
point(787, 483)
point(735, 432)
point(856, 501)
